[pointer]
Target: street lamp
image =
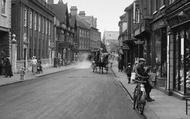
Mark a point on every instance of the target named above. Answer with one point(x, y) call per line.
point(13, 52)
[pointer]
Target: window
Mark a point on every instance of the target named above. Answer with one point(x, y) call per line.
point(25, 17)
point(49, 28)
point(3, 6)
point(42, 25)
point(171, 1)
point(39, 23)
point(31, 19)
point(137, 15)
point(35, 21)
point(154, 6)
point(46, 27)
point(162, 3)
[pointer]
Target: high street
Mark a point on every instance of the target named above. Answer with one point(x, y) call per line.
point(72, 94)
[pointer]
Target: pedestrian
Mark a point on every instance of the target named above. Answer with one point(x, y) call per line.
point(128, 72)
point(142, 74)
point(34, 64)
point(39, 66)
point(8, 68)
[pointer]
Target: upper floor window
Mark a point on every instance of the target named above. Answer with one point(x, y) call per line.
point(42, 24)
point(3, 6)
point(171, 1)
point(49, 28)
point(35, 21)
point(46, 27)
point(39, 23)
point(137, 15)
point(25, 17)
point(162, 4)
point(30, 19)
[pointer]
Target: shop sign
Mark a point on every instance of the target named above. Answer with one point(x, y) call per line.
point(126, 47)
point(138, 42)
point(159, 24)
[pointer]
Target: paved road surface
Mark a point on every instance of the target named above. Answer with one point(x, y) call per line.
point(72, 94)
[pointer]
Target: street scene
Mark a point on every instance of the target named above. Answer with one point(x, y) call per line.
point(68, 59)
point(76, 93)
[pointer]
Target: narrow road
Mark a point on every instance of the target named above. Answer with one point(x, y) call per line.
point(74, 94)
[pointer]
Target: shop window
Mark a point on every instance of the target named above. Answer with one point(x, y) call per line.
point(25, 17)
point(179, 63)
point(187, 60)
point(161, 56)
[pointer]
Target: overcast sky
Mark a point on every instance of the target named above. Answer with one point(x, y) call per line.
point(107, 12)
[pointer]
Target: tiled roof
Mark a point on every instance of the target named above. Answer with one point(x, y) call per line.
point(82, 23)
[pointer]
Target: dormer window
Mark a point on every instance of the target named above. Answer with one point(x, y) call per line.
point(3, 6)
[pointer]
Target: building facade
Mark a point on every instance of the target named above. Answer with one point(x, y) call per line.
point(32, 22)
point(64, 34)
point(95, 38)
point(110, 39)
point(163, 28)
point(5, 26)
point(178, 37)
point(5, 30)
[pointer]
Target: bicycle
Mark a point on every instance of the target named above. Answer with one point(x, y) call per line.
point(139, 97)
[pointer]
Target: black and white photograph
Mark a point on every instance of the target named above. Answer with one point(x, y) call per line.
point(94, 59)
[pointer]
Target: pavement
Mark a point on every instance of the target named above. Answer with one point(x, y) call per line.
point(164, 106)
point(29, 75)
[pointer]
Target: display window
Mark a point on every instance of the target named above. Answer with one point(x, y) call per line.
point(182, 62)
point(161, 57)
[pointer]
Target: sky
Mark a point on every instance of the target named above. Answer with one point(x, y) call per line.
point(107, 12)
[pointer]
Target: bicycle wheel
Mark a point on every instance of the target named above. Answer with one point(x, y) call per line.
point(140, 107)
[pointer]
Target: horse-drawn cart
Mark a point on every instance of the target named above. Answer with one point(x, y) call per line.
point(100, 63)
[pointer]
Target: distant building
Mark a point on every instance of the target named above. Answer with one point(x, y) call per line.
point(110, 39)
point(90, 19)
point(95, 39)
point(88, 35)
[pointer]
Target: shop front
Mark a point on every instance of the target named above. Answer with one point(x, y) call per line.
point(159, 53)
point(182, 61)
point(178, 18)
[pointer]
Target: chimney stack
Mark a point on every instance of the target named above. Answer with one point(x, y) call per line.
point(73, 10)
point(82, 13)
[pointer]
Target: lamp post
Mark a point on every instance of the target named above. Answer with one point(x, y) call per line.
point(14, 53)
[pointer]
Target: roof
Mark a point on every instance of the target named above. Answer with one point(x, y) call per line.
point(82, 23)
point(60, 10)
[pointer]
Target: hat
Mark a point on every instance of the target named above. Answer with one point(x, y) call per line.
point(142, 59)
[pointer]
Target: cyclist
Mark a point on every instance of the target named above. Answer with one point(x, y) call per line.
point(143, 75)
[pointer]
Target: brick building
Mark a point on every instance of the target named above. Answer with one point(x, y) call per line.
point(32, 22)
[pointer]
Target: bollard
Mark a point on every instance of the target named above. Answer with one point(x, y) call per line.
point(22, 73)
